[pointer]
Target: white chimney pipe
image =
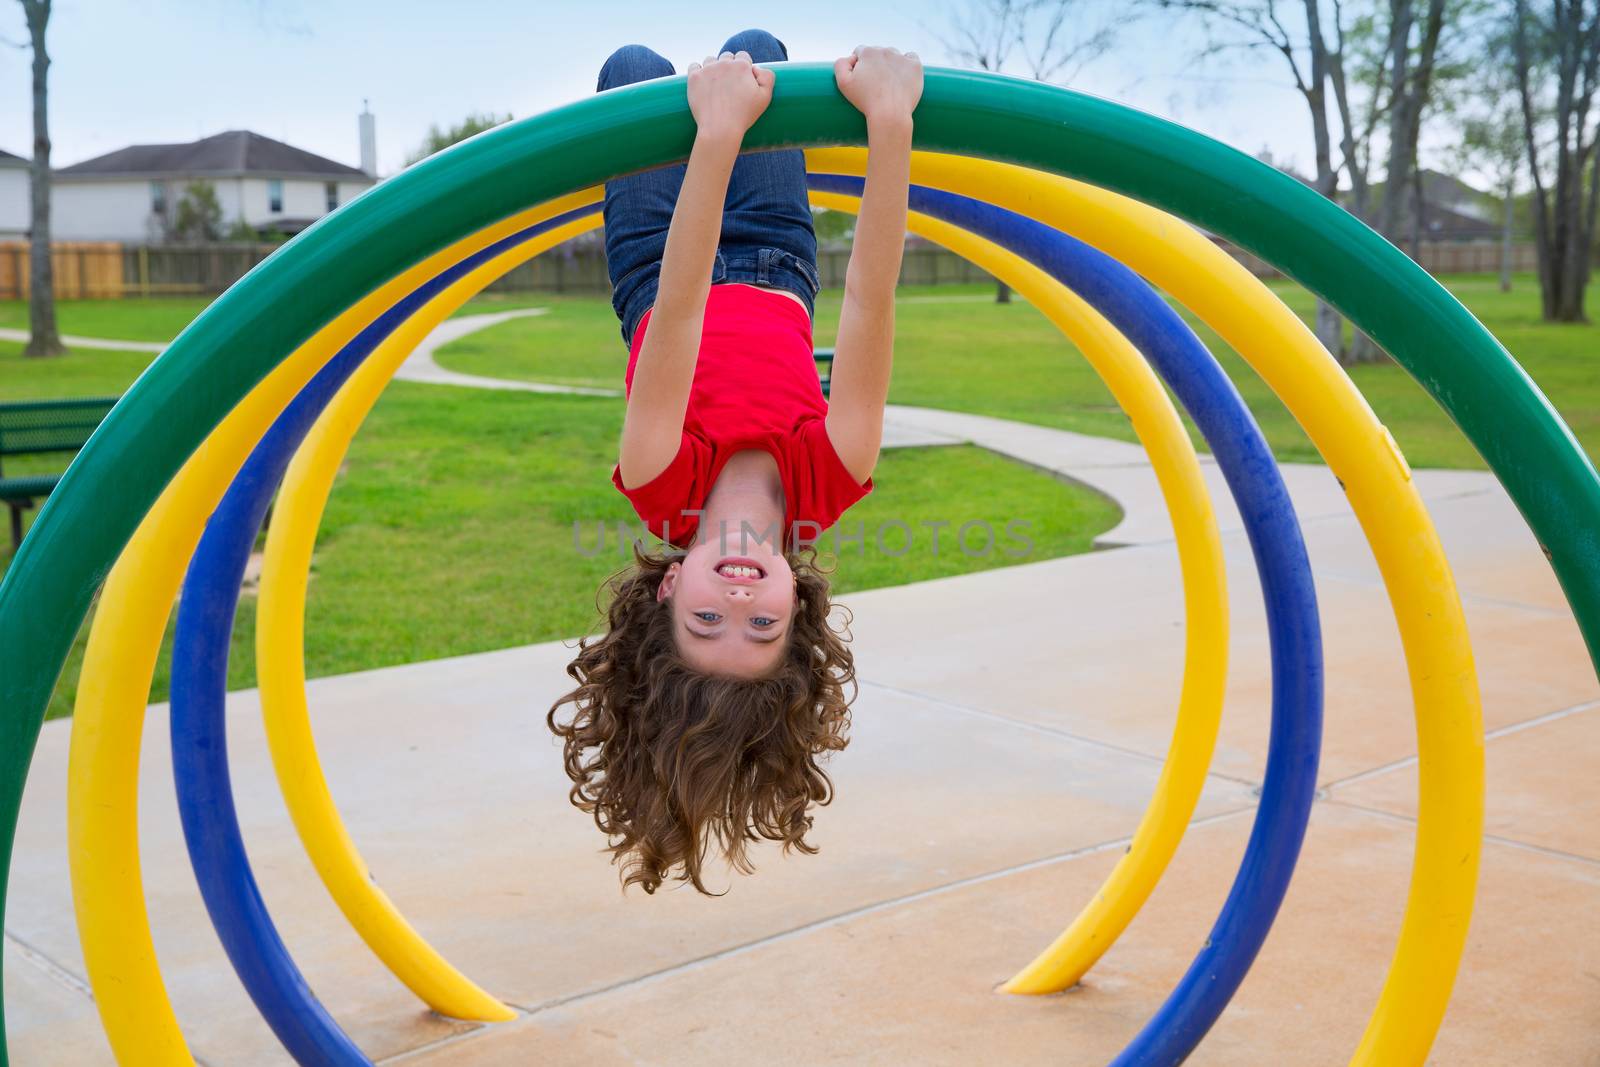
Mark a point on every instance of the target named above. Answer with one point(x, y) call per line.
point(369, 141)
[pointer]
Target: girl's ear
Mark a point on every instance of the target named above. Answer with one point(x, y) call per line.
point(669, 581)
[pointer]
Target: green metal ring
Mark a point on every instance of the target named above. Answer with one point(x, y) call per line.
point(250, 328)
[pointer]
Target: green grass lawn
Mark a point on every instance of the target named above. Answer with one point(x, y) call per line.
point(465, 520)
point(451, 529)
point(119, 320)
point(1008, 360)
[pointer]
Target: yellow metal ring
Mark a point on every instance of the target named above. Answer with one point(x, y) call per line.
point(119, 663)
point(1194, 736)
point(1363, 456)
point(280, 643)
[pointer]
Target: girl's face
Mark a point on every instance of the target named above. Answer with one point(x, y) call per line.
point(730, 614)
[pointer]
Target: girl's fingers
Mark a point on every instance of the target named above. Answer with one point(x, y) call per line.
point(742, 54)
point(725, 55)
point(693, 67)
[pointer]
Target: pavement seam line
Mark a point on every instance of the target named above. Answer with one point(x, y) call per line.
point(1349, 578)
point(1052, 731)
point(1499, 732)
point(1509, 842)
point(51, 969)
point(65, 978)
point(840, 918)
point(427, 1047)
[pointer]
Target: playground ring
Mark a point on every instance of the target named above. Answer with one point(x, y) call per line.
point(202, 414)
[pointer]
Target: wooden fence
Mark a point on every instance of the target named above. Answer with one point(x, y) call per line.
point(108, 269)
point(81, 268)
point(1435, 257)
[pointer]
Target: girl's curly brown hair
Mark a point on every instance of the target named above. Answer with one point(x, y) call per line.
point(669, 760)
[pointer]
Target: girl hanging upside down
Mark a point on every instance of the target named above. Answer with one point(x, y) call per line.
point(701, 711)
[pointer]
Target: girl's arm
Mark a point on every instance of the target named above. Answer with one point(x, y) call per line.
point(885, 86)
point(726, 95)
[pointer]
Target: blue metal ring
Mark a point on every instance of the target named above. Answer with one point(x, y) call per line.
point(211, 594)
point(1293, 625)
point(199, 684)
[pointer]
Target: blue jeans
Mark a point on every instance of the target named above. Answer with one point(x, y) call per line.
point(767, 237)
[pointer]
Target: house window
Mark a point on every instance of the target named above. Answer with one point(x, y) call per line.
point(275, 196)
point(330, 192)
point(158, 198)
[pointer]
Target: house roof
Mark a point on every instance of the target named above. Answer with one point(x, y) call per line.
point(9, 160)
point(1444, 223)
point(1458, 196)
point(235, 152)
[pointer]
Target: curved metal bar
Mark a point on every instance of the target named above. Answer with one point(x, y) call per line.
point(240, 341)
point(310, 478)
point(124, 641)
point(1368, 464)
point(1293, 628)
point(199, 682)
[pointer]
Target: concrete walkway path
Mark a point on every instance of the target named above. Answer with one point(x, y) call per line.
point(421, 366)
point(1118, 469)
point(1009, 731)
point(73, 341)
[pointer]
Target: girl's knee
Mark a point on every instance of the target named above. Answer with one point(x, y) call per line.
point(632, 63)
point(762, 46)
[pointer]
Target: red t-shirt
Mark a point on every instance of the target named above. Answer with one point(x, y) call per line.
point(755, 386)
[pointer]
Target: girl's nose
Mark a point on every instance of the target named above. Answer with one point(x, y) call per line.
point(740, 594)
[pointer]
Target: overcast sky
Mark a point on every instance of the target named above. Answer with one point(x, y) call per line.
point(153, 71)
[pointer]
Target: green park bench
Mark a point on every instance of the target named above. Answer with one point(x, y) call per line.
point(33, 427)
point(824, 358)
point(30, 427)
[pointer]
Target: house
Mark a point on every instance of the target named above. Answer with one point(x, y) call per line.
point(132, 194)
point(1452, 210)
point(13, 197)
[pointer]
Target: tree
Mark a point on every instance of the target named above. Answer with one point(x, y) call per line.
point(1555, 55)
point(439, 139)
point(832, 225)
point(242, 232)
point(44, 338)
point(1314, 66)
point(198, 216)
point(1359, 61)
point(992, 34)
point(1411, 71)
point(1489, 127)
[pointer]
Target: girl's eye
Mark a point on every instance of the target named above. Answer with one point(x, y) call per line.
point(762, 621)
point(707, 616)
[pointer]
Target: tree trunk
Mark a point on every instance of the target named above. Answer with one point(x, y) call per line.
point(1563, 223)
point(1002, 293)
point(44, 339)
point(1398, 179)
point(1329, 324)
point(1353, 164)
point(1586, 238)
point(1505, 236)
point(1542, 243)
point(1418, 208)
point(1420, 89)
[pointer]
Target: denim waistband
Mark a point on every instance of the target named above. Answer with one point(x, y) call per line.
point(756, 265)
